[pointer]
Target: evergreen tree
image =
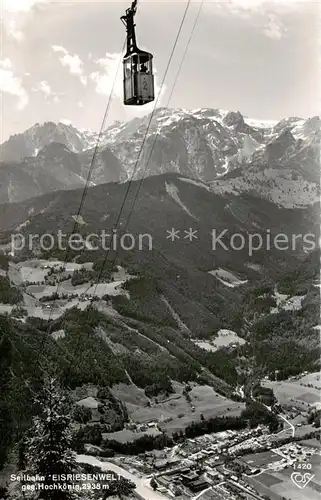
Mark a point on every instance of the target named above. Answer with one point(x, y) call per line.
point(153, 484)
point(48, 443)
point(22, 454)
point(121, 487)
point(6, 420)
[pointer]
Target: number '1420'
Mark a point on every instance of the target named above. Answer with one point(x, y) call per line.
point(302, 466)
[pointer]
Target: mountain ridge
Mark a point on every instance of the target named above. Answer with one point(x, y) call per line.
point(203, 144)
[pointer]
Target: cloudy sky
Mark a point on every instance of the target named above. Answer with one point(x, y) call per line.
point(59, 59)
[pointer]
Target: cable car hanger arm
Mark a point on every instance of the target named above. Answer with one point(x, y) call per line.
point(128, 21)
point(130, 13)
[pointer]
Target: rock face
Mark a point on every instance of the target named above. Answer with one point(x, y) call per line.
point(30, 142)
point(276, 148)
point(56, 168)
point(207, 145)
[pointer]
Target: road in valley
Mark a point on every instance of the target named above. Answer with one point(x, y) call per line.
point(142, 483)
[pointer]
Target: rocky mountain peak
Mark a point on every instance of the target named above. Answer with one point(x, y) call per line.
point(278, 146)
point(204, 144)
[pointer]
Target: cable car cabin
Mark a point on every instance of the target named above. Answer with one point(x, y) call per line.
point(138, 79)
point(138, 66)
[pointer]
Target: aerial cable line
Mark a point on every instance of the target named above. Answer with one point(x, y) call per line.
point(146, 133)
point(144, 138)
point(151, 117)
point(167, 105)
point(84, 193)
point(185, 51)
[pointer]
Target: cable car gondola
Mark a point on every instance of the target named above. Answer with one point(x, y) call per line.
point(137, 66)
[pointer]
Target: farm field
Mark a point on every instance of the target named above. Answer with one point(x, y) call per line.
point(66, 287)
point(289, 392)
point(127, 435)
point(175, 412)
point(224, 338)
point(261, 459)
point(278, 485)
point(36, 270)
point(312, 443)
point(311, 378)
point(5, 308)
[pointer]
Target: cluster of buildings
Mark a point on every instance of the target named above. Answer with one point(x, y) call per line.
point(252, 443)
point(194, 466)
point(213, 465)
point(137, 427)
point(293, 452)
point(227, 443)
point(183, 482)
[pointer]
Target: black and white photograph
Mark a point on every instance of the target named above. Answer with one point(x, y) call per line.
point(160, 250)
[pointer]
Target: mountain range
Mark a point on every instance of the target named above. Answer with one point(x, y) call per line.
point(231, 154)
point(200, 172)
point(209, 170)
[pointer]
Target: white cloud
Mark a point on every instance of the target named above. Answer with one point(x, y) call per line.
point(10, 84)
point(72, 62)
point(20, 5)
point(104, 78)
point(14, 14)
point(59, 48)
point(268, 16)
point(274, 28)
point(6, 63)
point(11, 27)
point(257, 5)
point(45, 89)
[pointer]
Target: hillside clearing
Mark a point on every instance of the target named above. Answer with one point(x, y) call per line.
point(224, 338)
point(175, 412)
point(291, 393)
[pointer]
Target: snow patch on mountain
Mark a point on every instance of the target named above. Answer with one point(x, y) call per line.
point(260, 123)
point(232, 153)
point(250, 145)
point(172, 190)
